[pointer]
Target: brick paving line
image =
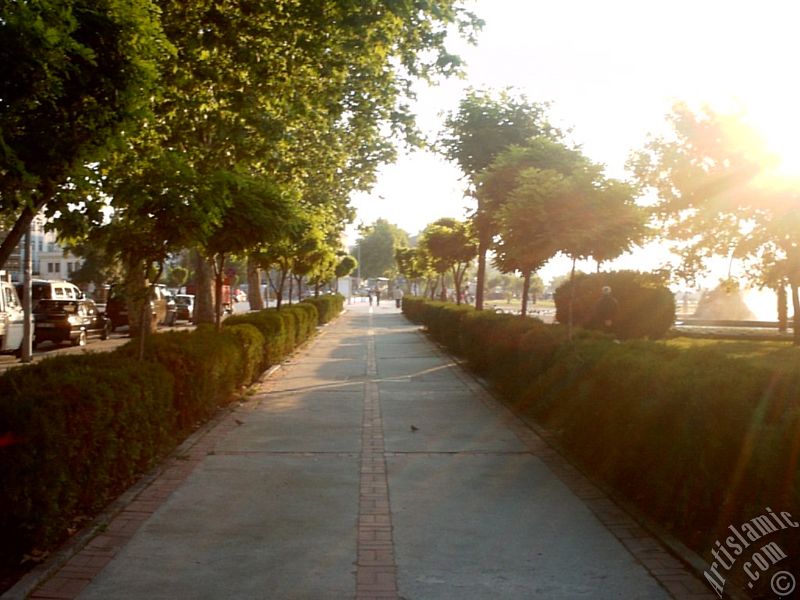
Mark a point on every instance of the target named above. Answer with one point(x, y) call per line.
point(672, 574)
point(376, 568)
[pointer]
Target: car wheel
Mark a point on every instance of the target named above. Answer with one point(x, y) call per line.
point(106, 331)
point(80, 340)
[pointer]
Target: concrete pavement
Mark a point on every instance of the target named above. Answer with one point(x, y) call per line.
point(371, 466)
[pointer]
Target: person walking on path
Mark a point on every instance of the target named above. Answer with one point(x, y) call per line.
point(369, 294)
point(605, 311)
point(378, 296)
point(398, 296)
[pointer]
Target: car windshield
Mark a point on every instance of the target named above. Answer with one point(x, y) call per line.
point(57, 306)
point(183, 300)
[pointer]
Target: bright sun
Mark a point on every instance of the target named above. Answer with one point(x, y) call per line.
point(777, 123)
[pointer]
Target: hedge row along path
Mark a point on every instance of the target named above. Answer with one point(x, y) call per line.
point(371, 466)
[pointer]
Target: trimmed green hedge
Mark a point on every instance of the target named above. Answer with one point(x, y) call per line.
point(78, 429)
point(329, 306)
point(278, 340)
point(698, 438)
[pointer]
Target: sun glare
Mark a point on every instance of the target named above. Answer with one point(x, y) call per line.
point(779, 127)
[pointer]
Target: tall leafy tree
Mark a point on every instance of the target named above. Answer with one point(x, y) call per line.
point(484, 125)
point(716, 198)
point(76, 74)
point(702, 173)
point(376, 248)
point(547, 198)
point(451, 245)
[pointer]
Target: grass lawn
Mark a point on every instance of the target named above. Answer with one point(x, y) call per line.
point(776, 355)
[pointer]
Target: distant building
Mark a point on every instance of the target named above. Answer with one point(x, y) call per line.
point(49, 259)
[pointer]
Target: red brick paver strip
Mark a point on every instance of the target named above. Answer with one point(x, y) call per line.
point(376, 574)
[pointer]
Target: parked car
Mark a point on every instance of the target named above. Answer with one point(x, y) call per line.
point(12, 319)
point(71, 321)
point(184, 307)
point(162, 306)
point(56, 289)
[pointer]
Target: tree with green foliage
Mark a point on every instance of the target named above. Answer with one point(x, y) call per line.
point(451, 245)
point(177, 276)
point(702, 173)
point(76, 76)
point(414, 265)
point(485, 125)
point(715, 199)
point(546, 198)
point(346, 265)
point(376, 248)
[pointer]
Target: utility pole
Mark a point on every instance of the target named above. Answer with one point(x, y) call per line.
point(27, 328)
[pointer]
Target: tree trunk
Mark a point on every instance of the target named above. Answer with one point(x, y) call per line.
point(457, 285)
point(254, 297)
point(291, 288)
point(483, 247)
point(783, 308)
point(571, 299)
point(796, 316)
point(203, 300)
point(41, 197)
point(278, 289)
point(526, 288)
point(219, 272)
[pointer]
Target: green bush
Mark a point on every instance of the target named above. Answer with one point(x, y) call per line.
point(329, 306)
point(413, 308)
point(79, 429)
point(253, 348)
point(646, 305)
point(686, 434)
point(443, 321)
point(274, 330)
point(82, 428)
point(206, 365)
point(307, 321)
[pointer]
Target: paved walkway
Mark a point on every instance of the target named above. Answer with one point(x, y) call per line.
point(371, 466)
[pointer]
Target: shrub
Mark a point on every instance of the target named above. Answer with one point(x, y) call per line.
point(81, 429)
point(307, 320)
point(443, 321)
point(328, 306)
point(646, 305)
point(670, 428)
point(206, 365)
point(253, 348)
point(413, 307)
point(274, 330)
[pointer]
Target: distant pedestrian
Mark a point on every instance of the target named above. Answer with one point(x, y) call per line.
point(398, 296)
point(378, 296)
point(369, 295)
point(605, 311)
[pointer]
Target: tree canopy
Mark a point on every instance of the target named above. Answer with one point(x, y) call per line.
point(376, 248)
point(484, 125)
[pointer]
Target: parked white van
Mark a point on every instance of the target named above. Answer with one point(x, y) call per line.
point(44, 289)
point(12, 318)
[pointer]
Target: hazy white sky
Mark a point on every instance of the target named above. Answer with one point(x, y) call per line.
point(612, 70)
